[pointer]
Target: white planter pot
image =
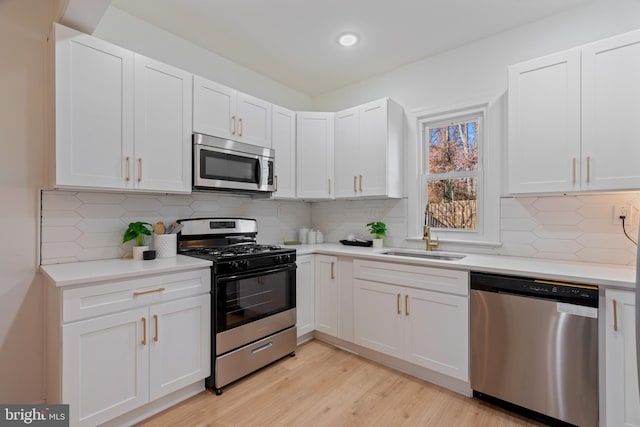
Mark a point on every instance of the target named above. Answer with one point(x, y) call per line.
point(137, 252)
point(377, 243)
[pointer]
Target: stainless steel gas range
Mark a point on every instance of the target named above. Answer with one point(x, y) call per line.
point(253, 293)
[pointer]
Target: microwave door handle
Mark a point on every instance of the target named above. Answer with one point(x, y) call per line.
point(259, 172)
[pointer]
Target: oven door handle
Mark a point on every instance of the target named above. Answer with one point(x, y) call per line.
point(288, 267)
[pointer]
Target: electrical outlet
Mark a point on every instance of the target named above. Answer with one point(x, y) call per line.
point(622, 210)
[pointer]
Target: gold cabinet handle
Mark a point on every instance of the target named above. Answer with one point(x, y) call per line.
point(276, 178)
point(241, 126)
point(406, 305)
point(615, 315)
point(398, 304)
point(128, 169)
point(233, 129)
point(574, 171)
point(144, 331)
point(332, 275)
point(152, 291)
point(139, 169)
point(329, 185)
point(355, 183)
point(588, 169)
point(155, 320)
point(361, 183)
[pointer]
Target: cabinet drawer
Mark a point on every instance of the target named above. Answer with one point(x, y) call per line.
point(415, 276)
point(108, 297)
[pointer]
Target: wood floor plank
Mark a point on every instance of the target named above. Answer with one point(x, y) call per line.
point(326, 386)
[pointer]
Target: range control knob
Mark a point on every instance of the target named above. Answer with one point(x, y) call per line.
point(278, 259)
point(243, 264)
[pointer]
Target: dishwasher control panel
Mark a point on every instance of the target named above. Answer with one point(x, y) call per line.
point(586, 295)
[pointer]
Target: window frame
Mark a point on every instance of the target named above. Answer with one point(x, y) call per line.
point(429, 122)
point(488, 184)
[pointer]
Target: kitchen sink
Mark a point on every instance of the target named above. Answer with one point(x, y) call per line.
point(442, 256)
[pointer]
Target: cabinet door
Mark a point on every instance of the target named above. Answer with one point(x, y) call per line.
point(326, 304)
point(374, 166)
point(437, 332)
point(284, 143)
point(347, 153)
point(314, 157)
point(254, 120)
point(610, 105)
point(544, 124)
point(305, 297)
point(162, 126)
point(623, 400)
point(180, 344)
point(214, 109)
point(378, 317)
point(105, 366)
point(94, 111)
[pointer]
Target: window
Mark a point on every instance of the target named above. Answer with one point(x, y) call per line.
point(450, 173)
point(454, 163)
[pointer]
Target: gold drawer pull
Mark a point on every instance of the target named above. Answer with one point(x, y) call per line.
point(355, 184)
point(152, 291)
point(128, 169)
point(332, 275)
point(398, 303)
point(241, 127)
point(140, 169)
point(361, 183)
point(588, 169)
point(406, 305)
point(615, 315)
point(233, 130)
point(574, 171)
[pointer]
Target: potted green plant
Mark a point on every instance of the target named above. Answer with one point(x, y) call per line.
point(379, 230)
point(136, 231)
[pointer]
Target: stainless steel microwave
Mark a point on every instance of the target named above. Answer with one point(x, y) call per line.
point(222, 164)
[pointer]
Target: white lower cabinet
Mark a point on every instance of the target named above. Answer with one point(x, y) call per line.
point(126, 343)
point(396, 312)
point(327, 294)
point(622, 400)
point(305, 294)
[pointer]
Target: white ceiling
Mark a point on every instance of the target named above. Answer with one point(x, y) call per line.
point(294, 41)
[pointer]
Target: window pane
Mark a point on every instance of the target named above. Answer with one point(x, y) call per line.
point(453, 147)
point(452, 203)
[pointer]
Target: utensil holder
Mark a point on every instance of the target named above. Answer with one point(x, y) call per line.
point(165, 245)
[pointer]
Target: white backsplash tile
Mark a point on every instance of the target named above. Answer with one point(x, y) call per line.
point(79, 226)
point(89, 225)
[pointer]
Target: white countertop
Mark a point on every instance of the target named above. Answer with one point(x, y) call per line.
point(596, 274)
point(76, 273)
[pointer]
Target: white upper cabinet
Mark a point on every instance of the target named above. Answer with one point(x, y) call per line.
point(226, 113)
point(544, 124)
point(283, 139)
point(571, 119)
point(162, 126)
point(94, 111)
point(123, 121)
point(368, 151)
point(314, 173)
point(610, 106)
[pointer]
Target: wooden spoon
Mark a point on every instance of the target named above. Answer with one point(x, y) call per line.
point(158, 228)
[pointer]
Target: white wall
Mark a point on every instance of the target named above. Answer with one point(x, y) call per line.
point(125, 30)
point(479, 69)
point(24, 25)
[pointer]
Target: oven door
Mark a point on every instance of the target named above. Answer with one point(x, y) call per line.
point(250, 306)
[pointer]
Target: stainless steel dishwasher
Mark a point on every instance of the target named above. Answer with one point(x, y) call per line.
point(534, 347)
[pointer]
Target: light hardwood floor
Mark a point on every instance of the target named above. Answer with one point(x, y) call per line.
point(325, 386)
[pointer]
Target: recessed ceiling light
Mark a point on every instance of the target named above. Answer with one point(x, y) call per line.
point(348, 39)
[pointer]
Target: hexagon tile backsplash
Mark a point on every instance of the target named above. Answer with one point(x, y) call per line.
point(82, 226)
point(78, 226)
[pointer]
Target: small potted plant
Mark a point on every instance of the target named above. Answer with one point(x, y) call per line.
point(137, 231)
point(379, 230)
